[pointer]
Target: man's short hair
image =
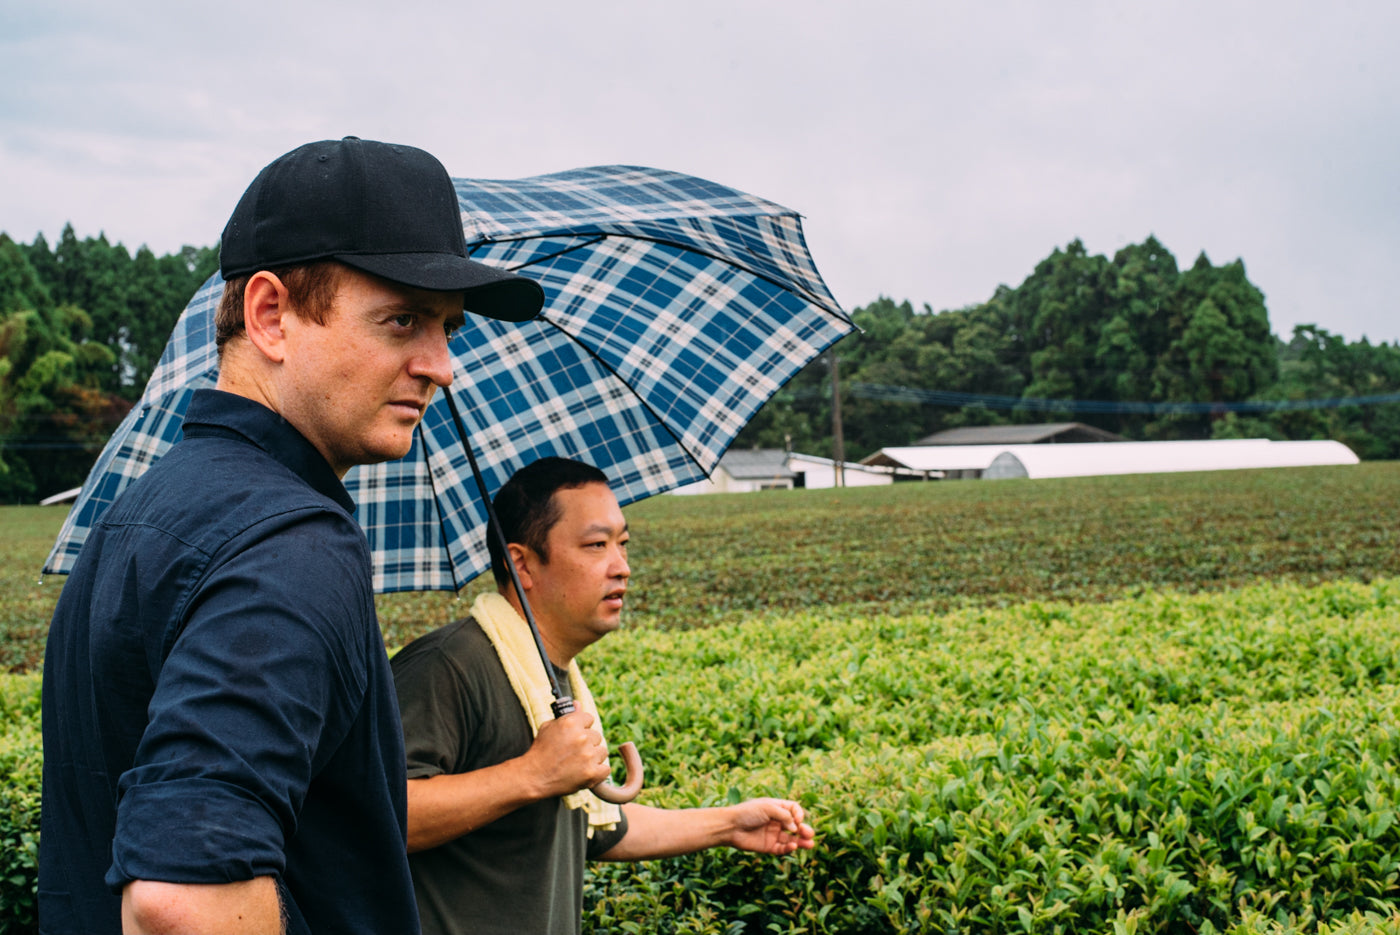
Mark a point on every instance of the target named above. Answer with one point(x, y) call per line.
point(311, 289)
point(527, 509)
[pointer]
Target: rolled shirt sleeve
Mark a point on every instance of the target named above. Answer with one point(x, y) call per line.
point(256, 691)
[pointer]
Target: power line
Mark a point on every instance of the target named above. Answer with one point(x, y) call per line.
point(957, 400)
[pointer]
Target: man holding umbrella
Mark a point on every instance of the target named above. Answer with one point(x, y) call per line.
point(500, 819)
point(221, 738)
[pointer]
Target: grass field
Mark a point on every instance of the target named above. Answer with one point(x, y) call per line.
point(698, 561)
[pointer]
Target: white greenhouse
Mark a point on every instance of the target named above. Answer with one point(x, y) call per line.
point(1162, 457)
point(1088, 459)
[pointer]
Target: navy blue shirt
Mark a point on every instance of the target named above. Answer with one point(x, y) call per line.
point(217, 702)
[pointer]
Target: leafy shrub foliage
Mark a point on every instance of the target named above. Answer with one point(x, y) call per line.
point(21, 766)
point(1171, 747)
point(1166, 763)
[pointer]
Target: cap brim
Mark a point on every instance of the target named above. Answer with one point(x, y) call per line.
point(487, 290)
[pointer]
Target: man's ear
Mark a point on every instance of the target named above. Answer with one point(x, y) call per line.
point(522, 557)
point(265, 305)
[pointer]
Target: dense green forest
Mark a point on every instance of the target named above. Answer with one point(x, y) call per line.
point(82, 325)
point(1132, 344)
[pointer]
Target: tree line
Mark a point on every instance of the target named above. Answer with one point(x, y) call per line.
point(1084, 338)
point(82, 325)
point(1133, 344)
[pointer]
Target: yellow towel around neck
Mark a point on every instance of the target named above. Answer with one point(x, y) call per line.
point(515, 646)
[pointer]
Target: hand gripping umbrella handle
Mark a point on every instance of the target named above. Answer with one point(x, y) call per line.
point(631, 760)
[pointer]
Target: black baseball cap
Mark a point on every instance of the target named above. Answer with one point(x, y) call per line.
point(382, 208)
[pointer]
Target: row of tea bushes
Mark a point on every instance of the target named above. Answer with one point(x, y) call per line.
point(722, 558)
point(806, 682)
point(1167, 763)
point(1178, 820)
point(931, 548)
point(21, 766)
point(1164, 763)
point(699, 561)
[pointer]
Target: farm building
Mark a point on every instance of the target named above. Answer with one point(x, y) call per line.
point(1162, 457)
point(65, 496)
point(1079, 460)
point(1044, 433)
point(814, 472)
point(747, 470)
point(933, 462)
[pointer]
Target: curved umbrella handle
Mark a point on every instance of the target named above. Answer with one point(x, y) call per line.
point(626, 792)
point(631, 759)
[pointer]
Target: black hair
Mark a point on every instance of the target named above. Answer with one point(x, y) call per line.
point(527, 509)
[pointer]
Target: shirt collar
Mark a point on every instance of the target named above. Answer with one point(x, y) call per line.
point(215, 412)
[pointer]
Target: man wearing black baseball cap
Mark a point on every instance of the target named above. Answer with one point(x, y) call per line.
point(390, 211)
point(222, 742)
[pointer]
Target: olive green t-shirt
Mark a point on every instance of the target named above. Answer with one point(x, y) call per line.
point(521, 874)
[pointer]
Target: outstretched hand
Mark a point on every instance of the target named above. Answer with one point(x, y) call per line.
point(770, 826)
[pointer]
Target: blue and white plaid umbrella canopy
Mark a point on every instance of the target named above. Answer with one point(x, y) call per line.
point(674, 308)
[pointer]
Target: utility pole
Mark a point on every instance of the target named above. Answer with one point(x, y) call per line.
point(838, 439)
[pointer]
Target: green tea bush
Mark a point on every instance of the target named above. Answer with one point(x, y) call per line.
point(1167, 763)
point(21, 766)
point(26, 600)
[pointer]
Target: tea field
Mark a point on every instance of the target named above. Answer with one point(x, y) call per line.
point(1139, 704)
point(1165, 763)
point(698, 561)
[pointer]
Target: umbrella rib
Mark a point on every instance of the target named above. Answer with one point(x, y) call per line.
point(437, 505)
point(557, 253)
point(835, 312)
point(600, 237)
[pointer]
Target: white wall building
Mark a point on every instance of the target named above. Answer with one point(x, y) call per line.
point(772, 468)
point(747, 470)
point(1085, 460)
point(932, 462)
point(818, 473)
point(1162, 457)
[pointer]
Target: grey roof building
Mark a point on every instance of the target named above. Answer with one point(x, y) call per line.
point(743, 470)
point(1045, 433)
point(764, 466)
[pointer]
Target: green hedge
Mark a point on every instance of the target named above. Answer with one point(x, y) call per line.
point(21, 767)
point(1166, 763)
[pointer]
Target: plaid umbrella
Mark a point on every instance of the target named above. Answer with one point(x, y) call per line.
point(674, 308)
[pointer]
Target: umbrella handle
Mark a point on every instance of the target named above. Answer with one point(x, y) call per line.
point(631, 760)
point(626, 792)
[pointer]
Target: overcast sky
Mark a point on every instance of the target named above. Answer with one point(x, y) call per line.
point(935, 149)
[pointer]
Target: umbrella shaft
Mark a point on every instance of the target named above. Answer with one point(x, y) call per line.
point(493, 523)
